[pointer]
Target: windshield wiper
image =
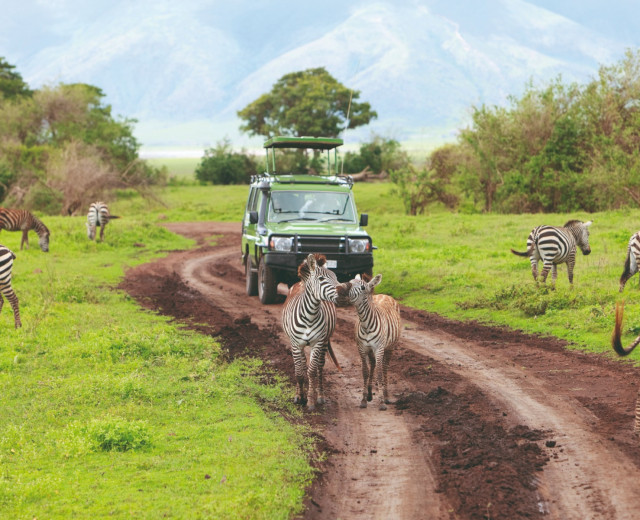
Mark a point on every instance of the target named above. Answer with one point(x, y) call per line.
point(337, 218)
point(293, 219)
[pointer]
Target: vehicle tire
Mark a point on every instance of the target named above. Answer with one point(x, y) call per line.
point(252, 278)
point(267, 283)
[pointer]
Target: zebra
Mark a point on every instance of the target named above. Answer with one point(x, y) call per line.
point(98, 216)
point(632, 261)
point(23, 220)
point(309, 319)
point(6, 263)
point(377, 333)
point(616, 343)
point(556, 245)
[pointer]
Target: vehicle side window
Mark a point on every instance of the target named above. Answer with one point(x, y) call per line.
point(252, 203)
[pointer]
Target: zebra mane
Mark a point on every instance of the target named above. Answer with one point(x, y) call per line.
point(366, 278)
point(303, 269)
point(572, 223)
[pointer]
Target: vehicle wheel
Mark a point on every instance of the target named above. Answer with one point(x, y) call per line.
point(252, 278)
point(267, 283)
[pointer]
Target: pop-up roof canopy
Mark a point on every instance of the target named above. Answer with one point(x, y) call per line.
point(315, 143)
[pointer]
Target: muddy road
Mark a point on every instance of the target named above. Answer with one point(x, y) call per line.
point(487, 423)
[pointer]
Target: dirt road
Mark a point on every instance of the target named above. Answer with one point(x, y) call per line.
point(487, 423)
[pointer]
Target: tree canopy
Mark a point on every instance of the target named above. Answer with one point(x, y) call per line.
point(11, 83)
point(310, 103)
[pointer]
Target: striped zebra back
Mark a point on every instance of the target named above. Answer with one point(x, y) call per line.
point(25, 221)
point(6, 265)
point(557, 244)
point(98, 216)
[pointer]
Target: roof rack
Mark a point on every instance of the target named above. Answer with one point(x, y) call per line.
point(315, 143)
point(335, 180)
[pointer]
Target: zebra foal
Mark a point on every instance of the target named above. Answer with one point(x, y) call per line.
point(309, 319)
point(377, 333)
point(6, 263)
point(616, 343)
point(556, 245)
point(98, 216)
point(23, 220)
point(632, 261)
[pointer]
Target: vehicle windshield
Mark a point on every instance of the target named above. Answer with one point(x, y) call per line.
point(318, 206)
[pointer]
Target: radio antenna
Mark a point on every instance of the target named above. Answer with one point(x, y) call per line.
point(347, 121)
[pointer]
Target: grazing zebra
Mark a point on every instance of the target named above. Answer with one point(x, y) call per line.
point(23, 220)
point(632, 261)
point(98, 216)
point(377, 333)
point(6, 263)
point(556, 245)
point(308, 319)
point(621, 351)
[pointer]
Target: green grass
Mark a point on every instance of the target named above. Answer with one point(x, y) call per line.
point(111, 411)
point(178, 167)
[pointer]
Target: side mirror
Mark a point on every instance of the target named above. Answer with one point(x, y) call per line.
point(253, 217)
point(364, 219)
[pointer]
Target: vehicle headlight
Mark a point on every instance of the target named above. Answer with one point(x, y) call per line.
point(281, 243)
point(358, 245)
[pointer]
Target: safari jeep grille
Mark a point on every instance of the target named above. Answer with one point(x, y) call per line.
point(316, 244)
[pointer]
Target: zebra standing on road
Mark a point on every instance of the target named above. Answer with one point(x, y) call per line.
point(23, 220)
point(556, 245)
point(6, 263)
point(616, 342)
point(632, 261)
point(377, 333)
point(308, 319)
point(98, 216)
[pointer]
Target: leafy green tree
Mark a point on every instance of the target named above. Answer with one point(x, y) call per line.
point(307, 103)
point(221, 165)
point(11, 83)
point(380, 154)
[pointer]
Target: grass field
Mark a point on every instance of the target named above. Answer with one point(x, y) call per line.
point(112, 411)
point(109, 410)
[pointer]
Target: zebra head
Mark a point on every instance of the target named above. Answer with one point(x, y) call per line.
point(43, 240)
point(319, 281)
point(580, 231)
point(360, 289)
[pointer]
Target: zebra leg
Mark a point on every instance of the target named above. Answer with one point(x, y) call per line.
point(545, 272)
point(300, 365)
point(365, 378)
point(534, 267)
point(13, 300)
point(101, 232)
point(385, 365)
point(382, 386)
point(554, 275)
point(321, 360)
point(372, 370)
point(312, 374)
point(570, 264)
point(25, 239)
point(636, 423)
point(630, 268)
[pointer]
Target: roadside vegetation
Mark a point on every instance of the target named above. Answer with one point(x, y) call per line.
point(112, 411)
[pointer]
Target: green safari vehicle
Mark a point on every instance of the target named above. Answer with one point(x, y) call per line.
point(289, 215)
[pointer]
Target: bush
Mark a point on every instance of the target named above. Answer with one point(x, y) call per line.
point(220, 165)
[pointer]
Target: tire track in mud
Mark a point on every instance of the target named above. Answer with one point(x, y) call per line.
point(475, 409)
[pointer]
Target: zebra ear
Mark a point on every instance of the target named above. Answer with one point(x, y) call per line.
point(311, 262)
point(375, 281)
point(358, 277)
point(587, 224)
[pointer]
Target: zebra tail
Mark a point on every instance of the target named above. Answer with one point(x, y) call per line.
point(616, 341)
point(525, 253)
point(333, 357)
point(111, 217)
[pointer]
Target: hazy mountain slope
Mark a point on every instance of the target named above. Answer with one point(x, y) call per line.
point(184, 69)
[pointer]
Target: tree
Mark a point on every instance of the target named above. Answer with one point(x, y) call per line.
point(378, 155)
point(310, 103)
point(11, 82)
point(220, 165)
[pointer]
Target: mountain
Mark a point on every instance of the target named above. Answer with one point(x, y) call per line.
point(183, 69)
